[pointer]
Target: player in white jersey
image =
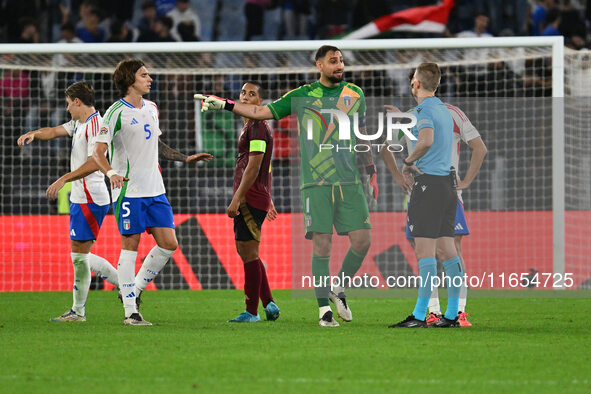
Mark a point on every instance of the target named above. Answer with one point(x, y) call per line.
point(89, 199)
point(130, 132)
point(464, 131)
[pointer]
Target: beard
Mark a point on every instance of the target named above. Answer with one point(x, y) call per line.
point(334, 79)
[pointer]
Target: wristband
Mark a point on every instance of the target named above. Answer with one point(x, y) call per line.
point(407, 163)
point(229, 106)
point(110, 173)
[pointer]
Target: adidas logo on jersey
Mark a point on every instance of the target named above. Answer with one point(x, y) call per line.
point(73, 233)
point(458, 227)
point(133, 121)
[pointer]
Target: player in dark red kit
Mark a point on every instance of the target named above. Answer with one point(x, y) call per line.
point(251, 204)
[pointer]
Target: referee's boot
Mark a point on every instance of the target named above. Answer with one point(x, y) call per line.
point(445, 323)
point(410, 322)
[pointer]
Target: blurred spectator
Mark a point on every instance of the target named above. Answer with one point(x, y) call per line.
point(29, 32)
point(14, 86)
point(148, 18)
point(475, 72)
point(479, 29)
point(68, 34)
point(254, 10)
point(14, 99)
point(11, 14)
point(552, 23)
point(251, 61)
point(572, 23)
point(501, 81)
point(121, 9)
point(219, 130)
point(375, 83)
point(91, 31)
point(295, 18)
point(537, 77)
point(367, 11)
point(160, 31)
point(333, 17)
point(539, 16)
point(183, 13)
point(186, 31)
point(119, 32)
point(163, 7)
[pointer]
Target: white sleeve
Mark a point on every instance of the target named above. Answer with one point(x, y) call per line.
point(70, 127)
point(467, 130)
point(93, 132)
point(105, 134)
point(154, 110)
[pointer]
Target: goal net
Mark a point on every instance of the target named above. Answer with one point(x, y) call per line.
point(528, 210)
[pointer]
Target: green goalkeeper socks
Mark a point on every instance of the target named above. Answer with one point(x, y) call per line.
point(320, 278)
point(351, 264)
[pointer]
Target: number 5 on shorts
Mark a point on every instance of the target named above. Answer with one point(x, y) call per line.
point(125, 207)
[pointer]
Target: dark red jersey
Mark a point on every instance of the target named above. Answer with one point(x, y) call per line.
point(255, 136)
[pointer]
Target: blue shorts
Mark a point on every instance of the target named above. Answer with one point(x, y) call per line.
point(86, 220)
point(460, 226)
point(135, 215)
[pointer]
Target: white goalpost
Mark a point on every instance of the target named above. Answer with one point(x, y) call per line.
point(527, 210)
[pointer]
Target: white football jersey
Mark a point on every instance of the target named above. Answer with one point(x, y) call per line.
point(132, 136)
point(92, 188)
point(464, 130)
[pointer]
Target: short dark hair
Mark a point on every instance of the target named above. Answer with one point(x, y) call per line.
point(148, 4)
point(166, 21)
point(82, 91)
point(323, 50)
point(430, 75)
point(69, 26)
point(124, 75)
point(552, 15)
point(259, 87)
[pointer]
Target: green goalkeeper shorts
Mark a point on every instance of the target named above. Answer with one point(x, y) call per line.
point(343, 207)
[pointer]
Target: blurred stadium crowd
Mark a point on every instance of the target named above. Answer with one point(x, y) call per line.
point(29, 21)
point(31, 99)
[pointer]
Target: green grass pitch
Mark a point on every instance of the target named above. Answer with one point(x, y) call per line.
point(515, 345)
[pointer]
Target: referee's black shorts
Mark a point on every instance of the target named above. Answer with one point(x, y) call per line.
point(247, 225)
point(432, 207)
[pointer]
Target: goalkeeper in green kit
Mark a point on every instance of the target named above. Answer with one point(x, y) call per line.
point(332, 193)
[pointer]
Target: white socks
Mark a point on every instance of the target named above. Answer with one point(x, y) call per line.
point(322, 310)
point(434, 306)
point(463, 296)
point(103, 269)
point(153, 263)
point(81, 282)
point(126, 276)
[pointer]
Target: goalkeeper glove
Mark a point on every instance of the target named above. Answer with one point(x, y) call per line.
point(370, 169)
point(214, 103)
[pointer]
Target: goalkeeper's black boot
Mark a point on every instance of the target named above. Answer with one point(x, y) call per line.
point(410, 322)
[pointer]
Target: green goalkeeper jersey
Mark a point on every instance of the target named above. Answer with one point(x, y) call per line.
point(326, 159)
